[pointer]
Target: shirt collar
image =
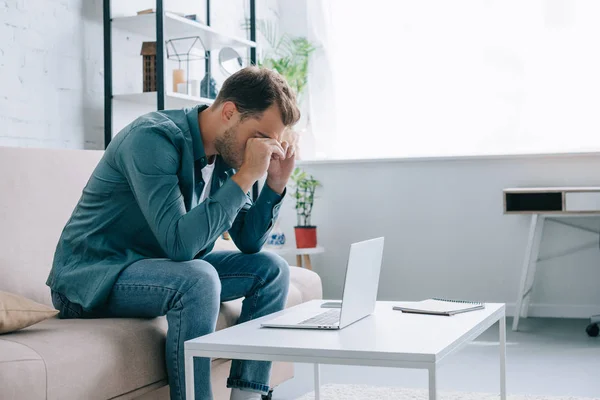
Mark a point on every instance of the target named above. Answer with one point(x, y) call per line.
point(198, 147)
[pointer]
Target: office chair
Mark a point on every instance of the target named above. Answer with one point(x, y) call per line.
point(593, 329)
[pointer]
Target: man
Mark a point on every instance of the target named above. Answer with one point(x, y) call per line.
point(139, 241)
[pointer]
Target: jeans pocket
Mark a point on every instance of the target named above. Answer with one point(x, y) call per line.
point(67, 309)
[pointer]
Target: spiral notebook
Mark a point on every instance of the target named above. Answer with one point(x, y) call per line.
point(437, 306)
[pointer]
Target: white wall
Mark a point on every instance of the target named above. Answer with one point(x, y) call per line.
point(51, 78)
point(445, 231)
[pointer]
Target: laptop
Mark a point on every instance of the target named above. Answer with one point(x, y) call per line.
point(358, 299)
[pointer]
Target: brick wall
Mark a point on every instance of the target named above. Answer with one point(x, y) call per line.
point(51, 80)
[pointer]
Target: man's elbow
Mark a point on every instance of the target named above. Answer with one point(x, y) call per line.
point(249, 248)
point(180, 257)
point(180, 253)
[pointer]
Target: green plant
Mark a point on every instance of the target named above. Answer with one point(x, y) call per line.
point(291, 61)
point(288, 55)
point(305, 186)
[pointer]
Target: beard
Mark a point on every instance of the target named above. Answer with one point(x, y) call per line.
point(226, 146)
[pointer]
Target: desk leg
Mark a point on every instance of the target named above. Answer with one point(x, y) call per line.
point(503, 358)
point(307, 262)
point(299, 260)
point(529, 265)
point(189, 377)
point(317, 382)
point(432, 383)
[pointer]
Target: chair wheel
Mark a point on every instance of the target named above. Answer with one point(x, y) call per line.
point(592, 330)
point(268, 396)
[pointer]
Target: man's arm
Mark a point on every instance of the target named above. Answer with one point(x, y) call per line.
point(150, 161)
point(254, 222)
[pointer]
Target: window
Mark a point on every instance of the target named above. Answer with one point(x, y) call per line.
point(462, 77)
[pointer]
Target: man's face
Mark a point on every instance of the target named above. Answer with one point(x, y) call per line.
point(232, 144)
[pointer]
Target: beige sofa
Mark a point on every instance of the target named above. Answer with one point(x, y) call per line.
point(82, 359)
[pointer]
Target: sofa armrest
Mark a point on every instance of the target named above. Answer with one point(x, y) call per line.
point(307, 282)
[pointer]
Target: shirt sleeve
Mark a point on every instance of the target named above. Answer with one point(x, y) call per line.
point(254, 221)
point(149, 160)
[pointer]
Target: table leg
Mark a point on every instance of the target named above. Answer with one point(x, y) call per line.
point(299, 260)
point(503, 358)
point(317, 382)
point(529, 264)
point(534, 262)
point(307, 261)
point(432, 383)
point(189, 377)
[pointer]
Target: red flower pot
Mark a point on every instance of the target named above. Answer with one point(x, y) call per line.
point(306, 236)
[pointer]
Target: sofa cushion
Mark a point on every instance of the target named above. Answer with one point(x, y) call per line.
point(82, 355)
point(18, 312)
point(22, 372)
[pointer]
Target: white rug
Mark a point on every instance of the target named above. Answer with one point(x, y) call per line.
point(364, 392)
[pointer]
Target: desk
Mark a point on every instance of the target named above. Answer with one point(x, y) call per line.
point(575, 207)
point(302, 255)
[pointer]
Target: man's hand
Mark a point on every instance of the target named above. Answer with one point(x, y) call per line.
point(281, 169)
point(257, 157)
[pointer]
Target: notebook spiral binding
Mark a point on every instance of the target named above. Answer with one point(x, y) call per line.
point(457, 301)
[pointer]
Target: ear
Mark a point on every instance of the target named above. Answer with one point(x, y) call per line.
point(228, 111)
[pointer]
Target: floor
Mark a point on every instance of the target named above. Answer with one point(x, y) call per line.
point(553, 357)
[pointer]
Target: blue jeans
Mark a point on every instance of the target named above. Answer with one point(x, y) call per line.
point(189, 293)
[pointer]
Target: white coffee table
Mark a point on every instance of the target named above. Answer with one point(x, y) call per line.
point(387, 338)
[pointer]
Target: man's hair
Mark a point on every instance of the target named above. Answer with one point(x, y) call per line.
point(255, 89)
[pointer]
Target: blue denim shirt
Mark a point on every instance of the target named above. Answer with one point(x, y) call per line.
point(142, 201)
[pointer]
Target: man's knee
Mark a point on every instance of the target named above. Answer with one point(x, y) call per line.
point(202, 281)
point(275, 268)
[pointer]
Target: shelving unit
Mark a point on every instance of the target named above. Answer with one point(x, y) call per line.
point(172, 100)
point(175, 27)
point(162, 26)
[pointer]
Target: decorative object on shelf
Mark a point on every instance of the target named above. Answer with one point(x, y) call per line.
point(148, 54)
point(276, 237)
point(230, 61)
point(185, 50)
point(146, 11)
point(194, 84)
point(304, 195)
point(184, 88)
point(178, 77)
point(206, 91)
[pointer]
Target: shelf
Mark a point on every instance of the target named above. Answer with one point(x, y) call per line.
point(172, 100)
point(176, 27)
point(288, 250)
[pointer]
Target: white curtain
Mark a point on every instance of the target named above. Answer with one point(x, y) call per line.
point(319, 137)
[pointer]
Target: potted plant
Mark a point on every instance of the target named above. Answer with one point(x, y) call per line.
point(304, 194)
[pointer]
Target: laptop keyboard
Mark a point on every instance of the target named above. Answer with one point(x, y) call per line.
point(327, 318)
